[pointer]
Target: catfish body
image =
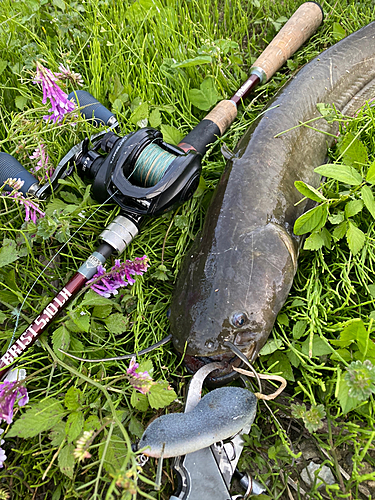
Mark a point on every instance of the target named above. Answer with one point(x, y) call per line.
point(236, 277)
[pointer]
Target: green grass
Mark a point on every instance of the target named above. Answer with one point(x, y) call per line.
point(125, 53)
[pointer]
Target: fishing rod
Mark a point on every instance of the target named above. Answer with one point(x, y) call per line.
point(139, 172)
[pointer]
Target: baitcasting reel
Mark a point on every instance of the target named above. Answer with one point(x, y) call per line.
point(139, 171)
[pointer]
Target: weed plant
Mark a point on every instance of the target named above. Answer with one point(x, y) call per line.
point(147, 61)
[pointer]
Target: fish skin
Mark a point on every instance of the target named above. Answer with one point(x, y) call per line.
point(245, 258)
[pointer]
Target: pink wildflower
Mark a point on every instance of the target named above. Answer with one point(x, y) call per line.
point(32, 210)
point(141, 381)
point(9, 392)
point(3, 457)
point(59, 100)
point(40, 154)
point(68, 74)
point(119, 276)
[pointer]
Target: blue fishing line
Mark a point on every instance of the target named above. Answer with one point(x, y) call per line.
point(151, 165)
point(48, 264)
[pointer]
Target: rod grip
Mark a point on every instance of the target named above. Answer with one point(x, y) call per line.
point(92, 110)
point(10, 168)
point(303, 23)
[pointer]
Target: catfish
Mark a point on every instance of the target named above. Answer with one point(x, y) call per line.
point(238, 273)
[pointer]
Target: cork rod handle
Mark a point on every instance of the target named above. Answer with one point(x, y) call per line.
point(293, 34)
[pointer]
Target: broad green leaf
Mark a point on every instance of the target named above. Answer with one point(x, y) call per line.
point(102, 311)
point(353, 330)
point(368, 199)
point(74, 425)
point(347, 403)
point(370, 177)
point(193, 62)
point(8, 252)
point(59, 3)
point(155, 118)
point(299, 329)
point(92, 423)
point(312, 220)
point(340, 230)
point(136, 428)
point(160, 395)
point(74, 398)
point(3, 317)
point(20, 102)
point(355, 238)
point(319, 347)
point(171, 135)
point(81, 319)
point(344, 353)
point(57, 434)
point(3, 65)
point(293, 358)
point(117, 323)
point(140, 113)
point(338, 32)
point(283, 319)
point(66, 460)
point(60, 340)
point(353, 152)
point(309, 191)
point(41, 417)
point(115, 454)
point(145, 365)
point(313, 242)
point(342, 173)
point(76, 345)
point(205, 97)
point(353, 208)
point(336, 218)
point(271, 346)
point(139, 401)
point(283, 365)
point(327, 237)
point(372, 289)
point(92, 298)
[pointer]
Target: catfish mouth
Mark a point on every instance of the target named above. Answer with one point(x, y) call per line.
point(229, 359)
point(216, 378)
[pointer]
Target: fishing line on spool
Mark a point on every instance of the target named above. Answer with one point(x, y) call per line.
point(18, 314)
point(151, 165)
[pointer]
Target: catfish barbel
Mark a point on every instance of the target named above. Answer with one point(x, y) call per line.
point(236, 277)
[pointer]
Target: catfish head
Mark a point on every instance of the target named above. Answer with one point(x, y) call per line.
point(232, 293)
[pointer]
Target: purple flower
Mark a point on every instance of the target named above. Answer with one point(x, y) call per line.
point(141, 381)
point(132, 367)
point(59, 100)
point(32, 210)
point(118, 276)
point(3, 457)
point(68, 74)
point(9, 393)
point(40, 154)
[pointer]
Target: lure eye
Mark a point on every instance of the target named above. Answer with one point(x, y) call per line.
point(238, 319)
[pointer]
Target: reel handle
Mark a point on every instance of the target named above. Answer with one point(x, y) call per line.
point(92, 110)
point(10, 168)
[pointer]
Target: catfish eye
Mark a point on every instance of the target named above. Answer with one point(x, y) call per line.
point(238, 319)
